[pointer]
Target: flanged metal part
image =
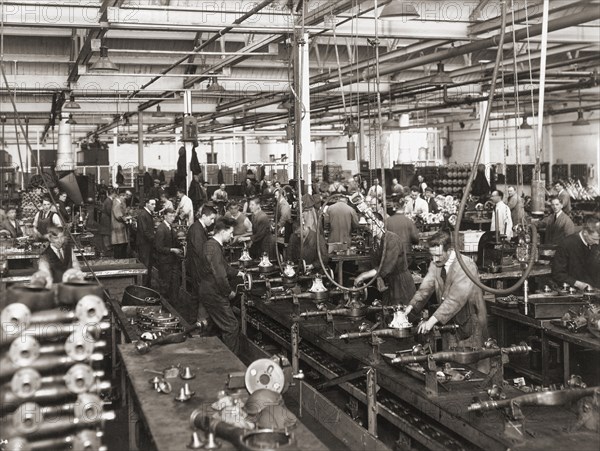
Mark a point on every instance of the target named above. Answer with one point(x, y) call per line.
point(264, 374)
point(14, 318)
point(90, 309)
point(79, 347)
point(86, 440)
point(182, 396)
point(164, 387)
point(187, 374)
point(25, 382)
point(195, 441)
point(88, 408)
point(79, 378)
point(24, 351)
point(27, 418)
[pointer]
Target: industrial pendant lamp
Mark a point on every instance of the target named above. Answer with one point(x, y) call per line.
point(71, 104)
point(158, 112)
point(525, 125)
point(390, 124)
point(214, 86)
point(71, 120)
point(399, 9)
point(351, 127)
point(104, 64)
point(580, 119)
point(441, 78)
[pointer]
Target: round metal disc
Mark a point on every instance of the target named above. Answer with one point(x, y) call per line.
point(78, 347)
point(25, 382)
point(90, 309)
point(79, 378)
point(14, 318)
point(27, 418)
point(264, 373)
point(24, 351)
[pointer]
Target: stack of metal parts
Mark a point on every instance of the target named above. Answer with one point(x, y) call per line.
point(52, 387)
point(154, 323)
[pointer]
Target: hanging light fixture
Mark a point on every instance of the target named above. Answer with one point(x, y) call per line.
point(71, 104)
point(441, 78)
point(580, 119)
point(399, 9)
point(71, 120)
point(390, 124)
point(214, 86)
point(351, 127)
point(525, 125)
point(104, 64)
point(158, 112)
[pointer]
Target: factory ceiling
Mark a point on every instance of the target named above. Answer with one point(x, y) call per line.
point(235, 57)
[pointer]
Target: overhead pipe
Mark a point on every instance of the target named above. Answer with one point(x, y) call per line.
point(587, 15)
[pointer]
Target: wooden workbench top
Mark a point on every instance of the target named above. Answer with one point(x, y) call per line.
point(167, 419)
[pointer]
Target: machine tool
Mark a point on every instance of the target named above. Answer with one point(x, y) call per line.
point(498, 356)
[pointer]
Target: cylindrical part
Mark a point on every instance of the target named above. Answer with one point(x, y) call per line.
point(65, 160)
point(44, 363)
point(43, 332)
point(538, 197)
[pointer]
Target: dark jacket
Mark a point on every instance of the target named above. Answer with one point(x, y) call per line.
point(432, 204)
point(145, 229)
point(196, 261)
point(164, 241)
point(575, 261)
point(262, 238)
point(58, 266)
point(105, 217)
point(218, 270)
point(557, 229)
point(394, 269)
point(15, 232)
point(196, 193)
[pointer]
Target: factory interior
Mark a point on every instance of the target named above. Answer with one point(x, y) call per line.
point(299, 225)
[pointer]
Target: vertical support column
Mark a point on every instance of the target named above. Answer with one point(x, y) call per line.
point(302, 148)
point(140, 119)
point(372, 401)
point(244, 314)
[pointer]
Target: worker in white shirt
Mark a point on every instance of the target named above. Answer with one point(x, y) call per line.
point(416, 205)
point(501, 217)
point(185, 209)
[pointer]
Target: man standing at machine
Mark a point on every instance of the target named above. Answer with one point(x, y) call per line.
point(394, 269)
point(59, 256)
point(460, 300)
point(145, 237)
point(215, 286)
point(558, 225)
point(416, 205)
point(515, 203)
point(563, 195)
point(45, 218)
point(501, 217)
point(262, 238)
point(185, 209)
point(166, 256)
point(577, 259)
point(197, 236)
point(11, 226)
point(284, 215)
point(342, 220)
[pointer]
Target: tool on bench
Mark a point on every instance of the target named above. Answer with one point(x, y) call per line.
point(143, 347)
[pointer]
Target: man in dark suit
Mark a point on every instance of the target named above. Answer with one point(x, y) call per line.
point(11, 226)
point(196, 238)
point(563, 195)
point(262, 239)
point(558, 225)
point(577, 259)
point(431, 203)
point(167, 252)
point(404, 227)
point(59, 256)
point(145, 238)
point(461, 301)
point(216, 287)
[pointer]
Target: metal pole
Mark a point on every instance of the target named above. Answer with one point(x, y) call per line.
point(140, 141)
point(372, 400)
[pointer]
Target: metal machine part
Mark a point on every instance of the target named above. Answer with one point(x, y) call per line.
point(261, 399)
point(265, 374)
point(25, 382)
point(80, 378)
point(143, 347)
point(24, 352)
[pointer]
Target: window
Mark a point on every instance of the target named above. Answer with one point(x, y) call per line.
point(211, 158)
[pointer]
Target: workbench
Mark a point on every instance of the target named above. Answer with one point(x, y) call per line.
point(339, 259)
point(516, 273)
point(449, 424)
point(511, 323)
point(114, 274)
point(167, 421)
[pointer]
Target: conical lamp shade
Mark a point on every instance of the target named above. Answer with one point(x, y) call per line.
point(525, 125)
point(104, 64)
point(580, 119)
